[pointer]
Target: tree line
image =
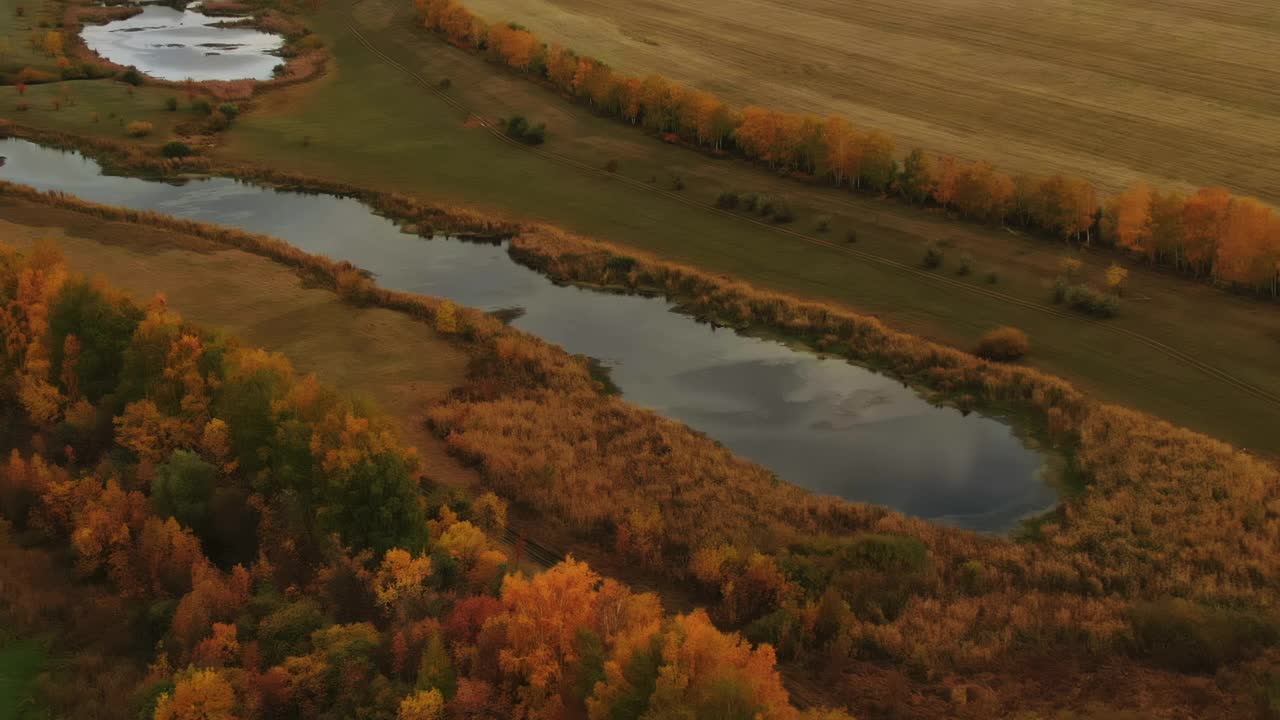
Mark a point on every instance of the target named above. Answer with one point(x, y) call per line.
point(206, 533)
point(1209, 234)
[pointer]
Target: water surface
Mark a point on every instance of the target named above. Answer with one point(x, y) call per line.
point(179, 44)
point(823, 424)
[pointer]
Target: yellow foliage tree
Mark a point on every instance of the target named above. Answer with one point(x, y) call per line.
point(202, 695)
point(422, 705)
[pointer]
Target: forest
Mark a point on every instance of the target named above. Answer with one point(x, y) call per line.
point(1206, 234)
point(194, 530)
point(1162, 561)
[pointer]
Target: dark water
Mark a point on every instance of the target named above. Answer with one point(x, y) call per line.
point(823, 424)
point(180, 44)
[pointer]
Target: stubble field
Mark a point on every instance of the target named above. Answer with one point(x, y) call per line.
point(1177, 92)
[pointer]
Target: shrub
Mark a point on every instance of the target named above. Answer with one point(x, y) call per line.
point(517, 127)
point(1189, 637)
point(620, 263)
point(231, 110)
point(1071, 267)
point(279, 70)
point(992, 278)
point(611, 166)
point(1085, 299)
point(677, 183)
point(932, 256)
point(171, 104)
point(31, 76)
point(823, 224)
point(217, 121)
point(779, 210)
point(353, 286)
point(1003, 344)
point(888, 553)
point(766, 204)
point(966, 264)
point(751, 202)
point(728, 200)
point(444, 84)
point(139, 128)
point(131, 76)
point(201, 105)
point(536, 135)
point(176, 149)
point(851, 236)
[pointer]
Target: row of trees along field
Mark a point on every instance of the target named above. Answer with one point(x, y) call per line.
point(1209, 234)
point(204, 533)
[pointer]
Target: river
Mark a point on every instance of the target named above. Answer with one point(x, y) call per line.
point(820, 423)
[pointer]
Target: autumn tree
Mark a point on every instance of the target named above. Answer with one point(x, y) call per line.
point(1246, 252)
point(512, 45)
point(878, 166)
point(1204, 221)
point(1065, 206)
point(1126, 220)
point(422, 705)
point(183, 489)
point(490, 512)
point(1165, 228)
point(103, 327)
point(1116, 277)
point(983, 193)
point(52, 43)
point(915, 182)
point(842, 159)
point(200, 695)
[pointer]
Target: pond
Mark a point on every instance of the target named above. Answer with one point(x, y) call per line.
point(179, 44)
point(820, 423)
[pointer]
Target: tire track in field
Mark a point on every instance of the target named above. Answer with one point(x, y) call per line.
point(1184, 357)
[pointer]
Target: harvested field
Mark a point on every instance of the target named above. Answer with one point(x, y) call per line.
point(1178, 92)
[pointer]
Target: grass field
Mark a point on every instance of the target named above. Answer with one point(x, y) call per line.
point(373, 125)
point(20, 661)
point(1112, 90)
point(96, 108)
point(384, 356)
point(16, 50)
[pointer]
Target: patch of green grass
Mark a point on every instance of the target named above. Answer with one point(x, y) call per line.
point(20, 662)
point(95, 108)
point(16, 50)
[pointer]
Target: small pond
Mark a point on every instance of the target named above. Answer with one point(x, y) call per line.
point(179, 44)
point(824, 424)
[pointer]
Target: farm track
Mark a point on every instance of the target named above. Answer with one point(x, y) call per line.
point(1207, 369)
